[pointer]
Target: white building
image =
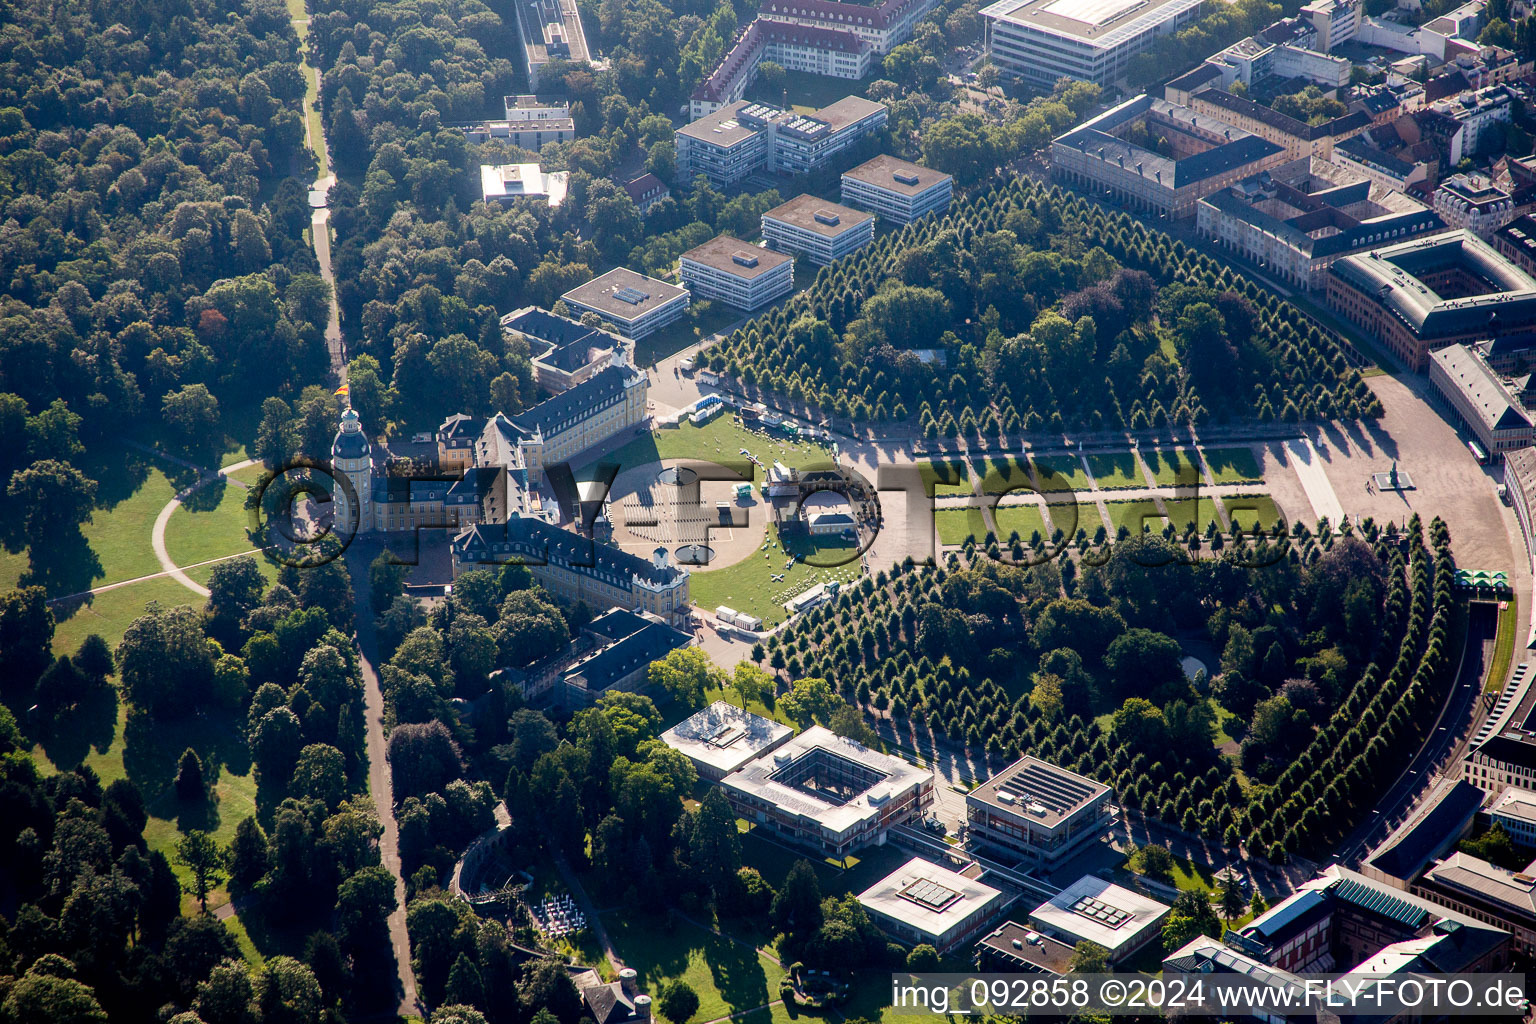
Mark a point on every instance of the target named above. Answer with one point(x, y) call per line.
point(550, 30)
point(637, 305)
point(507, 183)
point(737, 273)
point(529, 124)
point(1093, 910)
point(883, 25)
point(924, 902)
point(1487, 405)
point(817, 230)
point(897, 190)
point(741, 139)
point(1037, 811)
point(1336, 21)
point(1515, 812)
point(1090, 40)
point(722, 737)
point(1474, 202)
point(829, 793)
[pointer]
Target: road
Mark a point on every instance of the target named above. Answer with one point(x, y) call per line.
point(380, 786)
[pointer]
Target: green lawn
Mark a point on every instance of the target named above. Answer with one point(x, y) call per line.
point(1246, 509)
point(956, 524)
point(1135, 515)
point(728, 976)
point(948, 476)
point(806, 92)
point(196, 535)
point(1175, 467)
point(703, 319)
point(1503, 645)
point(1233, 465)
point(1071, 516)
point(720, 441)
point(1026, 519)
point(1061, 473)
point(1200, 511)
point(1116, 471)
point(110, 613)
point(748, 587)
point(1004, 475)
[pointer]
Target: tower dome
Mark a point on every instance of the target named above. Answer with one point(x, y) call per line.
point(351, 442)
point(352, 457)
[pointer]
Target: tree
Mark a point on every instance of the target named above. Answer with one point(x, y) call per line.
point(248, 855)
point(847, 721)
point(1495, 847)
point(714, 846)
point(750, 682)
point(685, 673)
point(423, 758)
point(234, 588)
point(1155, 860)
point(287, 992)
point(923, 957)
point(1089, 958)
point(49, 994)
point(796, 909)
point(192, 412)
point(321, 773)
point(363, 902)
point(189, 777)
point(199, 853)
point(679, 1002)
point(386, 581)
point(809, 700)
point(1232, 899)
point(55, 498)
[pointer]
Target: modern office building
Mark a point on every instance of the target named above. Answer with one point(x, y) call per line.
point(1013, 948)
point(1034, 811)
point(635, 304)
point(1094, 910)
point(741, 139)
point(1515, 812)
point(723, 737)
point(923, 902)
point(829, 793)
point(1335, 21)
point(737, 273)
point(1104, 156)
point(1296, 219)
point(816, 230)
point(529, 124)
point(1434, 291)
point(1489, 407)
point(1090, 40)
point(1487, 893)
point(550, 30)
point(897, 190)
point(509, 183)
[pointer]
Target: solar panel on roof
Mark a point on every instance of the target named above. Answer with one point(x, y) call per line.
point(633, 296)
point(925, 892)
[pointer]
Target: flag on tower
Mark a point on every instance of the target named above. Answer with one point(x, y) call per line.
point(344, 390)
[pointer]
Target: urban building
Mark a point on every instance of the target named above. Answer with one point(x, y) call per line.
point(1094, 910)
point(818, 231)
point(1090, 40)
point(1038, 812)
point(636, 305)
point(737, 273)
point(829, 793)
point(1483, 112)
point(897, 190)
point(564, 352)
point(1342, 918)
point(1515, 812)
point(741, 139)
point(550, 30)
point(1362, 155)
point(1517, 241)
point(1283, 50)
point(1426, 293)
point(1437, 822)
point(647, 190)
point(507, 183)
point(576, 568)
point(1485, 892)
point(1295, 220)
point(1474, 202)
point(633, 641)
point(529, 124)
point(884, 25)
point(1014, 948)
point(1298, 138)
point(1335, 21)
point(607, 404)
point(723, 737)
point(923, 902)
point(1488, 406)
point(1116, 155)
point(832, 52)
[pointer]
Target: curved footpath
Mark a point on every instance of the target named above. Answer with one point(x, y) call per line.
point(157, 538)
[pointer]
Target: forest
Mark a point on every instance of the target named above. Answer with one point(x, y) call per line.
point(1044, 312)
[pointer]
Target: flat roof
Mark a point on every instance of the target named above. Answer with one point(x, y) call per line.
point(526, 181)
point(882, 170)
point(1516, 803)
point(1435, 823)
point(737, 258)
point(1041, 951)
point(534, 20)
point(724, 736)
point(1103, 23)
point(723, 127)
point(812, 213)
point(768, 779)
point(848, 110)
point(929, 897)
point(1513, 890)
point(611, 294)
point(1100, 911)
point(1037, 790)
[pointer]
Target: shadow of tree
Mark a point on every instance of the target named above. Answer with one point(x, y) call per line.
point(65, 565)
point(152, 747)
point(69, 737)
point(207, 497)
